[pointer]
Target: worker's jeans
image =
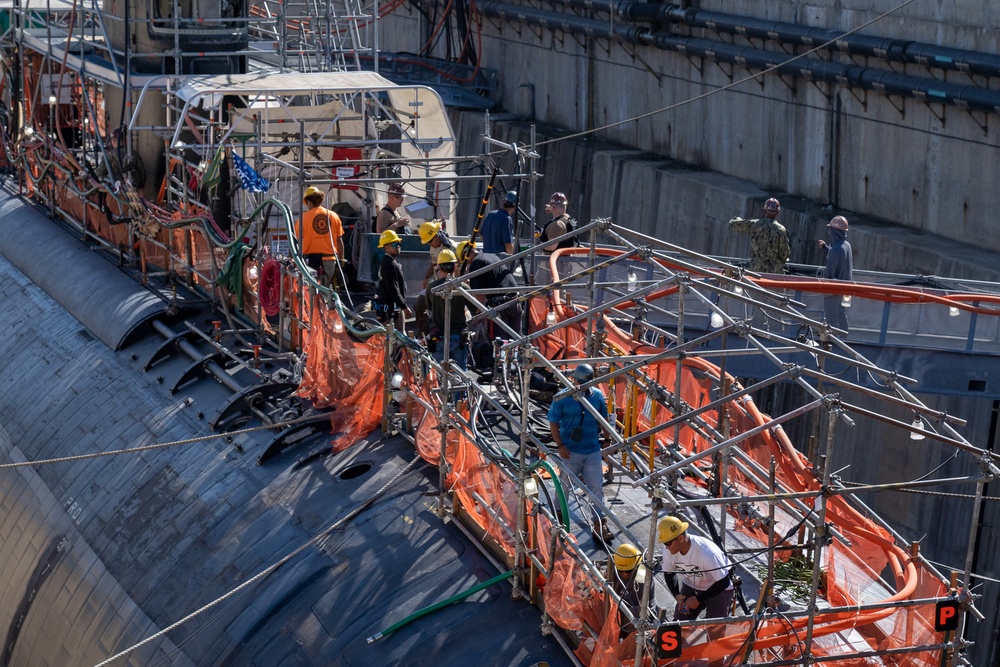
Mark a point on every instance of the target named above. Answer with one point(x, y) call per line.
point(588, 468)
point(456, 350)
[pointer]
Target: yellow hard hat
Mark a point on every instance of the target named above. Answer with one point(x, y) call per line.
point(670, 528)
point(429, 230)
point(462, 251)
point(310, 191)
point(446, 256)
point(626, 557)
point(388, 236)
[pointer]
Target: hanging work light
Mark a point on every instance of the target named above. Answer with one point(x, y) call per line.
point(918, 424)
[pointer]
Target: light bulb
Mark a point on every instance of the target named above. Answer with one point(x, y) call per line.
point(918, 423)
point(716, 321)
point(953, 311)
point(397, 381)
point(518, 271)
point(530, 488)
point(845, 301)
point(338, 326)
point(811, 343)
point(632, 279)
point(252, 272)
point(640, 574)
point(28, 131)
point(86, 121)
point(52, 99)
point(550, 319)
point(737, 289)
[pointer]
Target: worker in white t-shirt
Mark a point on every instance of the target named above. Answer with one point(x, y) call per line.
point(697, 572)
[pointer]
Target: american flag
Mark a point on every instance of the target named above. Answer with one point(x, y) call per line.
point(250, 179)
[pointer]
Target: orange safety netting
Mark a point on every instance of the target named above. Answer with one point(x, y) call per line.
point(470, 473)
point(851, 573)
point(343, 373)
point(348, 374)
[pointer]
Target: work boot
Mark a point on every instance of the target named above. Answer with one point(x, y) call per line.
point(602, 531)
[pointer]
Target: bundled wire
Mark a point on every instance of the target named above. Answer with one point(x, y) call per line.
point(269, 287)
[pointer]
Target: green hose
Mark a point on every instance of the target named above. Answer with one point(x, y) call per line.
point(560, 494)
point(439, 605)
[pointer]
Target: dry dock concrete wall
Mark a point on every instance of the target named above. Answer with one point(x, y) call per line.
point(691, 207)
point(902, 160)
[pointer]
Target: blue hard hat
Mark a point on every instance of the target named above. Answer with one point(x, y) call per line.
point(510, 197)
point(583, 373)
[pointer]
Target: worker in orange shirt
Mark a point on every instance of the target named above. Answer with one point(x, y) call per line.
point(321, 237)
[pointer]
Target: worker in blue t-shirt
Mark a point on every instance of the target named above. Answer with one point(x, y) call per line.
point(498, 227)
point(577, 435)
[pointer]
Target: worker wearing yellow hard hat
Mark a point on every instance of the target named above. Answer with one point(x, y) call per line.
point(626, 581)
point(320, 234)
point(431, 234)
point(697, 572)
point(450, 311)
point(390, 295)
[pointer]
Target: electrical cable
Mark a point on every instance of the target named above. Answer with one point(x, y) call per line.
point(161, 445)
point(269, 287)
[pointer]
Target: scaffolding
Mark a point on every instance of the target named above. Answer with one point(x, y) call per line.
point(660, 323)
point(688, 438)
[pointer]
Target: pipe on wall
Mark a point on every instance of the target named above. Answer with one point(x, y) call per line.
point(964, 96)
point(896, 50)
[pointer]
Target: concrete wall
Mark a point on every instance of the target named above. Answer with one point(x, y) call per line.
point(690, 207)
point(924, 167)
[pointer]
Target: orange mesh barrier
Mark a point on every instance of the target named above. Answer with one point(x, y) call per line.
point(851, 573)
point(343, 373)
point(471, 474)
point(348, 374)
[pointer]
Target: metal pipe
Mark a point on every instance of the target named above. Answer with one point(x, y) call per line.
point(887, 83)
point(191, 351)
point(732, 441)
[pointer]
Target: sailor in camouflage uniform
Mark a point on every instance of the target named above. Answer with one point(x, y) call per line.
point(768, 239)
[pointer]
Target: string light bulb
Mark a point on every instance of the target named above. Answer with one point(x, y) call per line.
point(530, 487)
point(631, 279)
point(550, 318)
point(845, 301)
point(397, 380)
point(52, 99)
point(953, 311)
point(252, 272)
point(918, 424)
point(338, 325)
point(737, 289)
point(640, 574)
point(716, 321)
